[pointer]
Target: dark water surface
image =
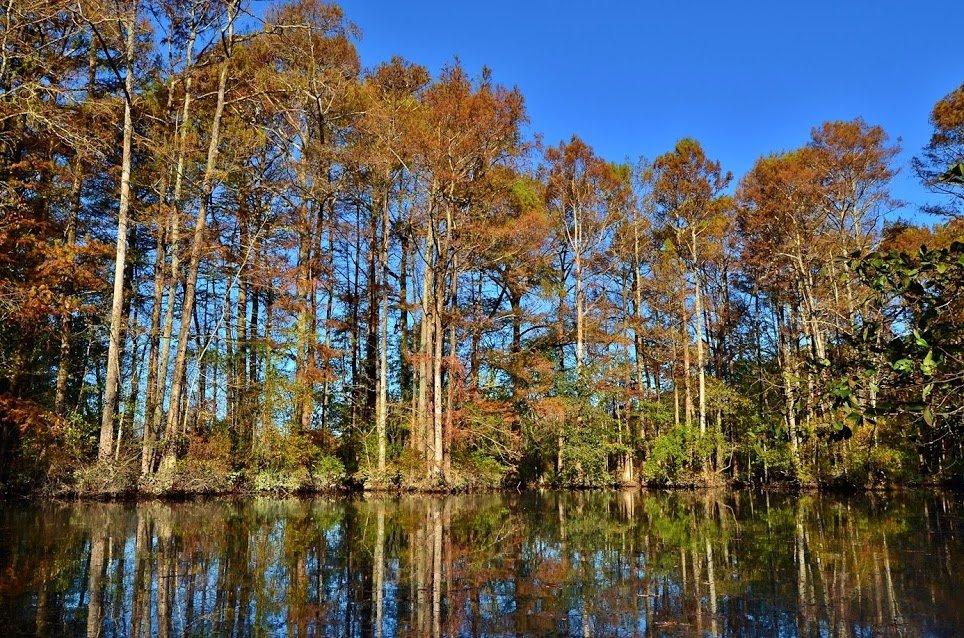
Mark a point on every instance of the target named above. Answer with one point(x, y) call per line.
point(593, 564)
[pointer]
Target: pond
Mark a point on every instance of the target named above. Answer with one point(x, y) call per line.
point(584, 563)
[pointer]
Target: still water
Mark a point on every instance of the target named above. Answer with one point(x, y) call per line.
point(584, 564)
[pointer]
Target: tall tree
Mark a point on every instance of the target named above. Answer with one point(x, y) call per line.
point(686, 190)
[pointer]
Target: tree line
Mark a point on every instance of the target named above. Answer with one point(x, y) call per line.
point(232, 257)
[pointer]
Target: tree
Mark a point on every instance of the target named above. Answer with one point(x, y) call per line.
point(686, 190)
point(378, 276)
point(128, 21)
point(174, 415)
point(944, 154)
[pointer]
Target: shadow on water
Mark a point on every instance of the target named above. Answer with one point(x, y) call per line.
point(586, 564)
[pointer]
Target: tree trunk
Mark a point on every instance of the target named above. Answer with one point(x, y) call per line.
point(381, 407)
point(438, 298)
point(305, 349)
point(687, 384)
point(70, 239)
point(788, 393)
point(111, 389)
point(153, 419)
point(197, 245)
point(698, 311)
point(580, 334)
point(404, 352)
point(427, 349)
point(453, 375)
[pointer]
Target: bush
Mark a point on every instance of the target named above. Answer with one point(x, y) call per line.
point(668, 457)
point(678, 454)
point(887, 465)
point(285, 481)
point(327, 472)
point(108, 478)
point(477, 470)
point(285, 462)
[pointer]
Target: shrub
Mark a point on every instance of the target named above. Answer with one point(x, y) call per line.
point(285, 481)
point(108, 478)
point(887, 465)
point(327, 472)
point(668, 457)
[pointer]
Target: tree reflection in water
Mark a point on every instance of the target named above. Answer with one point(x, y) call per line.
point(593, 564)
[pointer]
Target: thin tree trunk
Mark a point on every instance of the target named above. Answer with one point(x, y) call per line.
point(698, 312)
point(685, 334)
point(153, 422)
point(240, 366)
point(425, 365)
point(453, 365)
point(404, 345)
point(252, 363)
point(70, 239)
point(197, 245)
point(381, 407)
point(154, 339)
point(788, 393)
point(577, 270)
point(437, 339)
point(303, 403)
point(111, 387)
point(329, 310)
point(267, 398)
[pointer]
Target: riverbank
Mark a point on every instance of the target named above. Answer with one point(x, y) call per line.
point(240, 487)
point(289, 469)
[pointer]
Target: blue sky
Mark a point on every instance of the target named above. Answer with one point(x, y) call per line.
point(747, 79)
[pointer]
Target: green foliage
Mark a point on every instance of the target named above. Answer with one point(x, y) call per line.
point(904, 369)
point(479, 470)
point(327, 471)
point(918, 335)
point(888, 465)
point(669, 456)
point(286, 462)
point(526, 194)
point(677, 456)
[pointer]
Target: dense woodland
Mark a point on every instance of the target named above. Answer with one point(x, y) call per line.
point(232, 258)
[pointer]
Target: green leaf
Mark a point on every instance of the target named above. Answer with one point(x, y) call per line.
point(903, 365)
point(928, 416)
point(919, 340)
point(842, 390)
point(928, 366)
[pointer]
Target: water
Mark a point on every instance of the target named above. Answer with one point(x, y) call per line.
point(596, 564)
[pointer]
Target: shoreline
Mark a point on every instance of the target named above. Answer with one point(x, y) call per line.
point(139, 496)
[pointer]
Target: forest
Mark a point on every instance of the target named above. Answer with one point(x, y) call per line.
point(234, 259)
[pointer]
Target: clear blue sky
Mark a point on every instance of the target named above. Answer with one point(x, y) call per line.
point(747, 79)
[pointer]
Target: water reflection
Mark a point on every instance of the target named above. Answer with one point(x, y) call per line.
point(587, 564)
